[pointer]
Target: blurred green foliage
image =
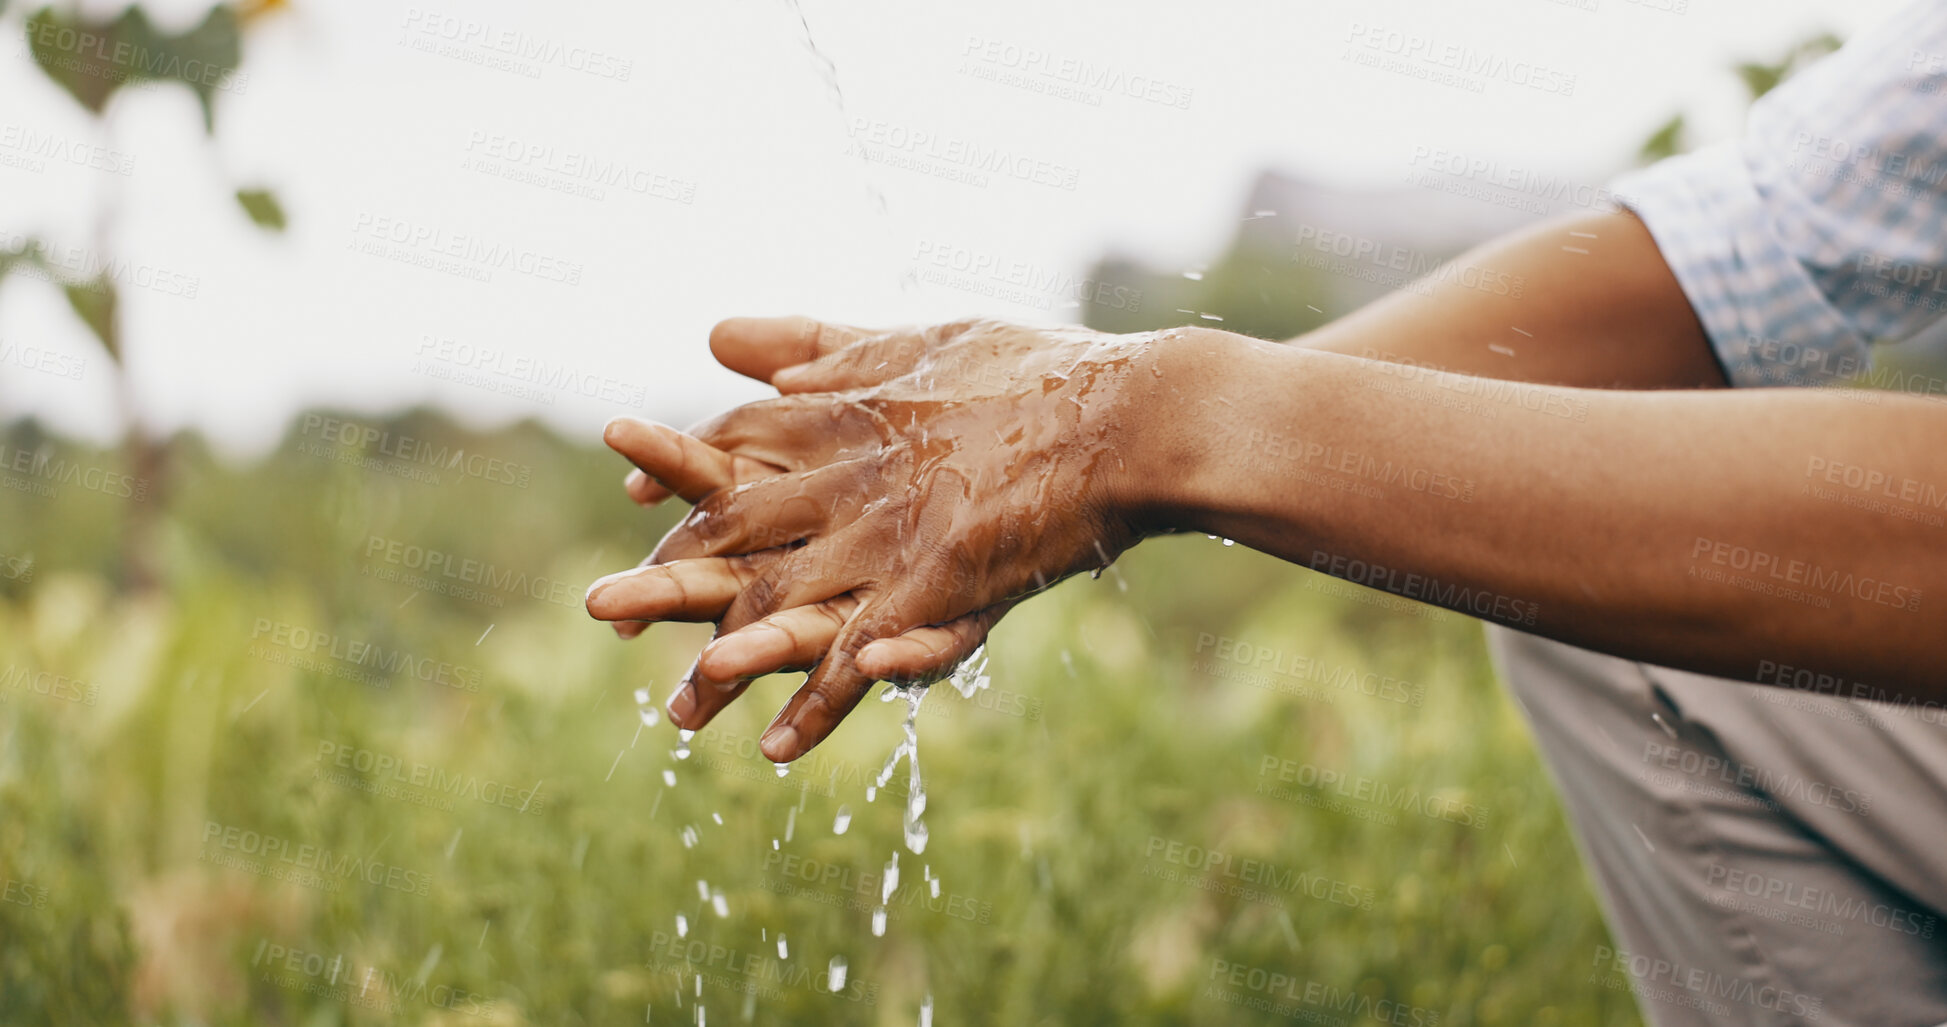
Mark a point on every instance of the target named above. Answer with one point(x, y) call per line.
point(1113, 735)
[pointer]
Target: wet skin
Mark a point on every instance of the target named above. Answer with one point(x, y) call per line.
point(910, 486)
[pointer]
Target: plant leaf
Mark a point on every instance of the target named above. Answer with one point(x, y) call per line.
point(94, 302)
point(263, 208)
point(91, 59)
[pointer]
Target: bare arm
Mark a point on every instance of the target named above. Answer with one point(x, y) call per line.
point(1589, 302)
point(1705, 531)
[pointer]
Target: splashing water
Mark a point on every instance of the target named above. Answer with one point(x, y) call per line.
point(836, 971)
point(909, 748)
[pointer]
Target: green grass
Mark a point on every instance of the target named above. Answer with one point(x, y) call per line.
point(1070, 808)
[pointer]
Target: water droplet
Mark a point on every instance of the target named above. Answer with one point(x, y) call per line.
point(844, 820)
point(642, 697)
point(650, 716)
point(669, 778)
point(926, 1011)
point(783, 950)
point(703, 889)
point(718, 817)
point(790, 822)
point(682, 926)
point(890, 882)
point(689, 837)
point(783, 769)
point(879, 922)
point(871, 792)
point(719, 903)
point(1230, 542)
point(836, 971)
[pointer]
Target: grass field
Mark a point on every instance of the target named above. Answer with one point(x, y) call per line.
point(364, 759)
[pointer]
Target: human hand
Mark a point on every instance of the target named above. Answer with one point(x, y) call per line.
point(956, 471)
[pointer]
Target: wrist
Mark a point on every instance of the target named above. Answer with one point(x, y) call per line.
point(1170, 422)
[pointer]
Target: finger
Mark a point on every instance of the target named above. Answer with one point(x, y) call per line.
point(646, 491)
point(757, 347)
point(872, 360)
point(833, 689)
point(684, 465)
point(777, 511)
point(812, 573)
point(690, 590)
point(792, 431)
point(929, 653)
point(792, 640)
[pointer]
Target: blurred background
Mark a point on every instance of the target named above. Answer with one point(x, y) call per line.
point(310, 316)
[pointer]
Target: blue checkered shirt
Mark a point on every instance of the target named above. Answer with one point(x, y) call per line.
point(1824, 228)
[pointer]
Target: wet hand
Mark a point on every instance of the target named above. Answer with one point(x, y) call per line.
point(881, 528)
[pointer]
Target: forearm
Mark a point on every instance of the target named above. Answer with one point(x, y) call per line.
point(1585, 300)
point(1691, 529)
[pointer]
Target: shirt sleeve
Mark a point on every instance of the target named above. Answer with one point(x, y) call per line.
point(1823, 229)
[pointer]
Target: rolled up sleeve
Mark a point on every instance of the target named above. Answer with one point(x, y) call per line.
point(1822, 230)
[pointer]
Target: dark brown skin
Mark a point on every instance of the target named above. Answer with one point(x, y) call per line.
point(929, 479)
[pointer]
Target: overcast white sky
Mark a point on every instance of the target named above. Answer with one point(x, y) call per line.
point(742, 193)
